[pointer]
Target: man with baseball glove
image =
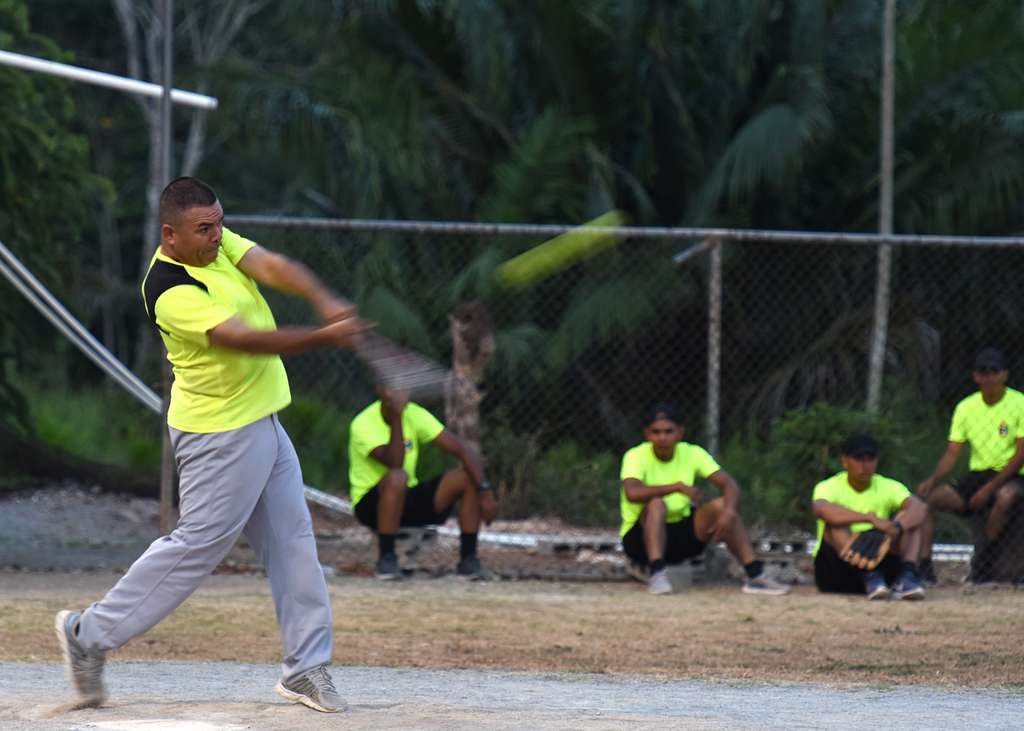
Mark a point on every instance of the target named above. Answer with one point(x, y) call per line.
point(869, 529)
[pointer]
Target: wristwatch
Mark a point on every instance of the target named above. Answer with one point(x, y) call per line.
point(485, 484)
point(898, 525)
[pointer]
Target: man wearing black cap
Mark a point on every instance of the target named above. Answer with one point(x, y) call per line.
point(857, 500)
point(992, 422)
point(664, 518)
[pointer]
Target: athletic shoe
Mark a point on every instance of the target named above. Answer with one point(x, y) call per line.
point(314, 688)
point(875, 586)
point(659, 583)
point(908, 587)
point(926, 572)
point(85, 667)
point(765, 585)
point(388, 568)
point(471, 569)
point(637, 571)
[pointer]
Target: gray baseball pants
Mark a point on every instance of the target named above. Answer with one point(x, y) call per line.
point(247, 481)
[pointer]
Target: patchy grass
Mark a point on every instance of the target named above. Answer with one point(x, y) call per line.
point(951, 639)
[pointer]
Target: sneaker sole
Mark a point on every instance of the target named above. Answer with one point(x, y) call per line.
point(879, 595)
point(304, 700)
point(59, 625)
point(388, 577)
point(910, 596)
point(765, 592)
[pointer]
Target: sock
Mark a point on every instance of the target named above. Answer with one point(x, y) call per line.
point(467, 545)
point(754, 569)
point(657, 565)
point(385, 543)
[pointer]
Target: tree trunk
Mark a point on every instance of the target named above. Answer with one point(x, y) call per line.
point(472, 348)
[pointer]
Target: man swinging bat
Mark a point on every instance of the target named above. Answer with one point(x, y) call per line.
point(869, 529)
point(239, 472)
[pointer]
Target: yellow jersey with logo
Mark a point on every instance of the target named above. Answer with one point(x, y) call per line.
point(369, 431)
point(883, 497)
point(992, 431)
point(215, 389)
point(689, 463)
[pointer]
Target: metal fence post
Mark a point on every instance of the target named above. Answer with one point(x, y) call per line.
point(714, 346)
point(876, 360)
point(167, 472)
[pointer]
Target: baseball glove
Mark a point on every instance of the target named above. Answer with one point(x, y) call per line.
point(866, 550)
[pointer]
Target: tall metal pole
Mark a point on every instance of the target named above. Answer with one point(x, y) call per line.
point(714, 347)
point(876, 363)
point(167, 518)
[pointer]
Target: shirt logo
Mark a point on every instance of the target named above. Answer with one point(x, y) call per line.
point(1003, 429)
point(408, 444)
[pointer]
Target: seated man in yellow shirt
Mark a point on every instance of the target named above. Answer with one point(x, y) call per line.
point(383, 450)
point(663, 519)
point(991, 421)
point(857, 500)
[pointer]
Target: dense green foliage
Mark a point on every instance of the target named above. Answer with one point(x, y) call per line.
point(45, 187)
point(752, 113)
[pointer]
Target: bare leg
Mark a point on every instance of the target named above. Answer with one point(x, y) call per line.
point(910, 542)
point(1006, 497)
point(943, 498)
point(736, 538)
point(391, 488)
point(456, 485)
point(655, 536)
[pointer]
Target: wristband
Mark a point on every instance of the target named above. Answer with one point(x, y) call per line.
point(484, 485)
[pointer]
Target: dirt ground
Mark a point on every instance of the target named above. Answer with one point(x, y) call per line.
point(952, 639)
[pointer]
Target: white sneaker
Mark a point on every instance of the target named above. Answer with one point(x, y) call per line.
point(659, 583)
point(765, 585)
point(85, 667)
point(314, 688)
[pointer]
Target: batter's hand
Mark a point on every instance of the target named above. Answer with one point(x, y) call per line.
point(334, 308)
point(346, 332)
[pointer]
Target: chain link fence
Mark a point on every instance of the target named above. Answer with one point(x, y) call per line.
point(762, 338)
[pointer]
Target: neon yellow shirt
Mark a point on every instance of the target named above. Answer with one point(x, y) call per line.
point(992, 431)
point(369, 431)
point(689, 463)
point(883, 497)
point(215, 389)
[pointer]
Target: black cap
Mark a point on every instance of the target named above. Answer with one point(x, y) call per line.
point(859, 445)
point(990, 359)
point(665, 410)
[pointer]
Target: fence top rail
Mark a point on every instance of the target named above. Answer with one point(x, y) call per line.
point(641, 232)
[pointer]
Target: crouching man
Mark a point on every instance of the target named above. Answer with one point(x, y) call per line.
point(664, 518)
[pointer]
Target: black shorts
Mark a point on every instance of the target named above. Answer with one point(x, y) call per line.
point(969, 484)
point(833, 575)
point(681, 542)
point(417, 510)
